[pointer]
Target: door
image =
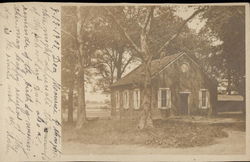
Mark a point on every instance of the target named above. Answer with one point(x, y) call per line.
point(184, 103)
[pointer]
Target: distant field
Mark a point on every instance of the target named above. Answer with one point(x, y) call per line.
point(91, 112)
point(96, 112)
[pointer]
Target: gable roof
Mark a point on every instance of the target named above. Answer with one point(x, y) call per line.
point(157, 65)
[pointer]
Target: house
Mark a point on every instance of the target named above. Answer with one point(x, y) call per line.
point(230, 103)
point(179, 87)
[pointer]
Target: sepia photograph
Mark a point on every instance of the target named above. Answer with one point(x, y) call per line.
point(153, 79)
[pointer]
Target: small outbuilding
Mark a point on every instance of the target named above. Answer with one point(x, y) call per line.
point(179, 87)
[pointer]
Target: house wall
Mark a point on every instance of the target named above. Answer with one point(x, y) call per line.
point(231, 106)
point(191, 81)
point(172, 77)
point(121, 112)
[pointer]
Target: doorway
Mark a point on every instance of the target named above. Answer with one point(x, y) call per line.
point(184, 103)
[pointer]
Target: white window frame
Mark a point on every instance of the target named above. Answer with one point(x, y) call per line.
point(136, 103)
point(168, 98)
point(126, 102)
point(117, 99)
point(206, 99)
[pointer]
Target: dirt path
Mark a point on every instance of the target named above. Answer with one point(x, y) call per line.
point(233, 144)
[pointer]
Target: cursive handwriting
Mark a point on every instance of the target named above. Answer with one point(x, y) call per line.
point(31, 45)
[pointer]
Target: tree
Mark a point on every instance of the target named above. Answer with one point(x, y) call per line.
point(68, 82)
point(77, 50)
point(113, 53)
point(68, 58)
point(146, 54)
point(111, 66)
point(227, 24)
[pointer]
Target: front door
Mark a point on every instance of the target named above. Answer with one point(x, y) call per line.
point(184, 103)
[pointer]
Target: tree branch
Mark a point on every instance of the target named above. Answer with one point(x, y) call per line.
point(125, 65)
point(109, 54)
point(180, 29)
point(148, 19)
point(123, 31)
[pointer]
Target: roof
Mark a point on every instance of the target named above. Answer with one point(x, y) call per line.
point(136, 75)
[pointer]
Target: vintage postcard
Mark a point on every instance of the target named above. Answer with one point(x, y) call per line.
point(124, 82)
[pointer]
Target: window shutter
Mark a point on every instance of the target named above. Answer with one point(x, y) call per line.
point(127, 101)
point(134, 99)
point(117, 99)
point(200, 99)
point(139, 98)
point(127, 104)
point(168, 98)
point(207, 99)
point(123, 99)
point(159, 98)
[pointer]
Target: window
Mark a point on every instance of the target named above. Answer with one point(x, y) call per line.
point(204, 99)
point(184, 67)
point(136, 99)
point(126, 99)
point(164, 98)
point(117, 99)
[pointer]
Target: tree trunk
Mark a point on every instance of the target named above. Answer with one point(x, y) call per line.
point(119, 66)
point(146, 116)
point(118, 77)
point(145, 120)
point(113, 108)
point(70, 105)
point(81, 111)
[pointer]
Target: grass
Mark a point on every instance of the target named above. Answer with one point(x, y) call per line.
point(164, 133)
point(240, 126)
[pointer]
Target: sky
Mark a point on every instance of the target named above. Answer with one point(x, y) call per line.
point(182, 11)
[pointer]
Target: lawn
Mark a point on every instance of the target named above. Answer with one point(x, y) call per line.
point(164, 134)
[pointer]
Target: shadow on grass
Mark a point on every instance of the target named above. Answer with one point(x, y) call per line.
point(234, 115)
point(164, 133)
point(240, 126)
